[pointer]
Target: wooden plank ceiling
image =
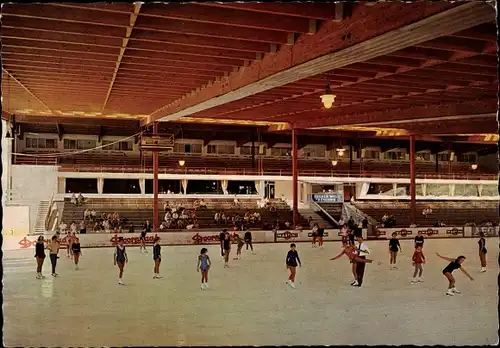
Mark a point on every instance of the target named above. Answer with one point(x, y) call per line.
point(127, 61)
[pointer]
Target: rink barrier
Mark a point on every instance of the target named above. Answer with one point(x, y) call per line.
point(427, 232)
point(212, 237)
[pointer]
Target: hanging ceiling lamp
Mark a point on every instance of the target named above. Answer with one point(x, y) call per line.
point(182, 162)
point(334, 163)
point(328, 98)
point(474, 166)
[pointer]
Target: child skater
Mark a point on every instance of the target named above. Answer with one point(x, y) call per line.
point(314, 235)
point(482, 252)
point(292, 259)
point(394, 247)
point(226, 243)
point(321, 233)
point(143, 241)
point(419, 240)
point(240, 243)
point(120, 257)
point(77, 251)
point(248, 240)
point(203, 265)
point(418, 260)
point(40, 257)
point(448, 270)
point(157, 257)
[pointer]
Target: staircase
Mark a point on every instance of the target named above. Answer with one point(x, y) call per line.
point(43, 209)
point(316, 218)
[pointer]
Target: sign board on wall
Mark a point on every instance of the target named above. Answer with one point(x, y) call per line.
point(474, 231)
point(430, 232)
point(306, 236)
point(327, 198)
point(16, 220)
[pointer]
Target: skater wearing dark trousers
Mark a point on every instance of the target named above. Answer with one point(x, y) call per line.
point(120, 258)
point(54, 250)
point(40, 257)
point(321, 233)
point(292, 260)
point(226, 244)
point(222, 236)
point(363, 251)
point(248, 240)
point(394, 247)
point(203, 265)
point(77, 251)
point(419, 240)
point(240, 244)
point(448, 270)
point(418, 260)
point(482, 252)
point(142, 238)
point(157, 258)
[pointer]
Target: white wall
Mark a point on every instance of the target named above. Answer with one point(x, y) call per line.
point(283, 189)
point(32, 184)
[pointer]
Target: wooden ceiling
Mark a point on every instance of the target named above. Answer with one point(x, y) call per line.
point(248, 62)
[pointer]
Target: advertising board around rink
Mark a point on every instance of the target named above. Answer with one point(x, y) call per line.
point(306, 235)
point(427, 232)
point(474, 231)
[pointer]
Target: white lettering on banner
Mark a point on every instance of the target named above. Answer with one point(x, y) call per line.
point(432, 232)
point(327, 198)
point(489, 231)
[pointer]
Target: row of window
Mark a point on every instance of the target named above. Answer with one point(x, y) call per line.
point(318, 152)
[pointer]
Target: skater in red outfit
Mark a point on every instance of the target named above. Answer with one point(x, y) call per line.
point(351, 253)
point(418, 260)
point(448, 270)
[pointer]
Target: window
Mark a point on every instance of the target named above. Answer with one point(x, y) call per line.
point(247, 150)
point(120, 146)
point(372, 154)
point(468, 158)
point(280, 151)
point(221, 149)
point(395, 155)
point(314, 152)
point(41, 143)
point(444, 157)
point(70, 144)
point(82, 144)
point(423, 156)
point(187, 148)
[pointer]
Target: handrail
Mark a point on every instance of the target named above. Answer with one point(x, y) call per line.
point(325, 212)
point(47, 216)
point(273, 172)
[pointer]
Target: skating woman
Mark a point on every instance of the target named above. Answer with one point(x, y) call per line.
point(120, 257)
point(77, 251)
point(292, 260)
point(248, 240)
point(482, 252)
point(203, 265)
point(314, 235)
point(157, 258)
point(351, 253)
point(142, 239)
point(418, 260)
point(394, 247)
point(321, 233)
point(69, 241)
point(448, 270)
point(40, 257)
point(226, 243)
point(54, 247)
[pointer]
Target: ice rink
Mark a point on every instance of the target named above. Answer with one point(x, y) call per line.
point(249, 303)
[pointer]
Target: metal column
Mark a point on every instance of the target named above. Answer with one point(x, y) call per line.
point(295, 177)
point(412, 180)
point(155, 183)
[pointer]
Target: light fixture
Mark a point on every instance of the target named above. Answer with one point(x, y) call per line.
point(474, 166)
point(334, 163)
point(328, 98)
point(182, 162)
point(341, 151)
point(452, 156)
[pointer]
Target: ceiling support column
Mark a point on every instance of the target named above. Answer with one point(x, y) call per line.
point(295, 177)
point(413, 205)
point(155, 182)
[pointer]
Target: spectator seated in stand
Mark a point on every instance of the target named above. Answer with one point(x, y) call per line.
point(80, 199)
point(73, 199)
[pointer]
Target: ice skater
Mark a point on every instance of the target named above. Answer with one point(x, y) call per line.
point(54, 247)
point(292, 260)
point(363, 251)
point(419, 240)
point(448, 270)
point(248, 240)
point(142, 239)
point(418, 259)
point(222, 236)
point(68, 242)
point(157, 258)
point(120, 257)
point(321, 233)
point(40, 256)
point(314, 235)
point(482, 252)
point(226, 244)
point(394, 247)
point(203, 265)
point(76, 250)
point(240, 244)
point(351, 253)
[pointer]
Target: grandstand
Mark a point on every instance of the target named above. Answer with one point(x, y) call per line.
point(410, 126)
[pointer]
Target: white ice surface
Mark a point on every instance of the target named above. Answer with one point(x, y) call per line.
point(249, 303)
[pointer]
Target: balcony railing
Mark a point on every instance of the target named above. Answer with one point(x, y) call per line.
point(274, 172)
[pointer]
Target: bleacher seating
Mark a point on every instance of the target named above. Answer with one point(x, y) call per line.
point(450, 213)
point(137, 211)
point(334, 209)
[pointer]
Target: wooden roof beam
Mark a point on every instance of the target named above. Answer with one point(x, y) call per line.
point(469, 109)
point(74, 120)
point(133, 18)
point(312, 55)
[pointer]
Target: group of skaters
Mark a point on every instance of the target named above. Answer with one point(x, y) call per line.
point(353, 245)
